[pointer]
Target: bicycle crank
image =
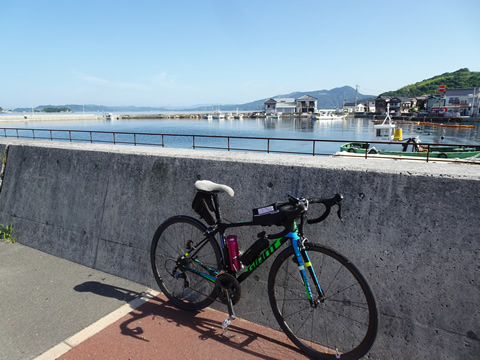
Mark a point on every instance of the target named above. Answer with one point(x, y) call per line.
point(228, 282)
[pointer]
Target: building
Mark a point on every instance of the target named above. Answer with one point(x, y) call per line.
point(434, 103)
point(462, 101)
point(306, 104)
point(398, 104)
point(280, 106)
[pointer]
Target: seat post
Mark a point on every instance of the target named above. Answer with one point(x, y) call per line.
point(217, 207)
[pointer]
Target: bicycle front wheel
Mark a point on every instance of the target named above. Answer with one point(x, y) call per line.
point(343, 324)
point(185, 261)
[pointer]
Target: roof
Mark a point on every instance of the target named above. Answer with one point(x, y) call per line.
point(459, 92)
point(307, 97)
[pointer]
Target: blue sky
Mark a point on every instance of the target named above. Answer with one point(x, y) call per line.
point(175, 53)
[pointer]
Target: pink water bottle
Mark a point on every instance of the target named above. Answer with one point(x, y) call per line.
point(233, 252)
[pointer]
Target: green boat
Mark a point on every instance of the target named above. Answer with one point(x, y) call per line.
point(411, 147)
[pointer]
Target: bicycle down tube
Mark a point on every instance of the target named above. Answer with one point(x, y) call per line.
point(264, 255)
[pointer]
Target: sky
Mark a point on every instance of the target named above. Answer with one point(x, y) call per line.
point(211, 52)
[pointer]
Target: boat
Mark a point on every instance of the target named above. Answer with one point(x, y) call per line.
point(411, 147)
point(274, 115)
point(327, 115)
point(218, 115)
point(208, 117)
point(229, 116)
point(238, 115)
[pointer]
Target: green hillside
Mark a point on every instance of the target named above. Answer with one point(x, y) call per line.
point(460, 79)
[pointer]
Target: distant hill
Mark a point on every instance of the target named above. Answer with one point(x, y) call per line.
point(327, 99)
point(460, 79)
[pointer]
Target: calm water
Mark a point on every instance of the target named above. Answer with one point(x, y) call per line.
point(345, 130)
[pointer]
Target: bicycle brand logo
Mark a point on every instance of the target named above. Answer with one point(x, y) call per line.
point(265, 254)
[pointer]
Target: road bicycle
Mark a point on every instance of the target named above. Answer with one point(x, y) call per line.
point(320, 299)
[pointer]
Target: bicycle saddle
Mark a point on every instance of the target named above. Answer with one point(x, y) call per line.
point(209, 186)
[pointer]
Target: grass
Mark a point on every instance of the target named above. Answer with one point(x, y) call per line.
point(6, 233)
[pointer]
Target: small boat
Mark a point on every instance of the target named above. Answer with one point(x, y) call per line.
point(238, 115)
point(274, 116)
point(208, 117)
point(411, 147)
point(327, 115)
point(219, 115)
point(229, 116)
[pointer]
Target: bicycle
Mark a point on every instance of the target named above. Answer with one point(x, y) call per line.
point(319, 298)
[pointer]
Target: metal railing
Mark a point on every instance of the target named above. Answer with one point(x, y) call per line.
point(211, 142)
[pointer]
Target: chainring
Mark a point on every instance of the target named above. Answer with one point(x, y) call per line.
point(228, 282)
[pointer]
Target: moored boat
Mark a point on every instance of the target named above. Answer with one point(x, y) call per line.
point(327, 115)
point(411, 147)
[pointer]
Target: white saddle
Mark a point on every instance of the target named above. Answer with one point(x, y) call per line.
point(209, 186)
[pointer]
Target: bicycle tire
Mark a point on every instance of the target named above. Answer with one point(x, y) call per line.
point(344, 325)
point(171, 241)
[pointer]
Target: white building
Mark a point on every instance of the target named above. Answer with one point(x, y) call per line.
point(462, 101)
point(280, 106)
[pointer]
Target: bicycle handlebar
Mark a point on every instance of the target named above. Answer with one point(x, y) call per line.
point(329, 203)
point(297, 207)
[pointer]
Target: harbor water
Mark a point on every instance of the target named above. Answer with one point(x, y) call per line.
point(346, 130)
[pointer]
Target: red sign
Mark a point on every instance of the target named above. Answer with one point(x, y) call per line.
point(442, 88)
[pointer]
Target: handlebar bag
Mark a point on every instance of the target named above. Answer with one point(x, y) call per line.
point(204, 205)
point(268, 215)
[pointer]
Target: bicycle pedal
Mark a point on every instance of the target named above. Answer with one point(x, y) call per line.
point(226, 323)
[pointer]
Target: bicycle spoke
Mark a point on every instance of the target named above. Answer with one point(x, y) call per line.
point(338, 323)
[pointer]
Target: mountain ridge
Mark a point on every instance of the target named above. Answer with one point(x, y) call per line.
point(327, 99)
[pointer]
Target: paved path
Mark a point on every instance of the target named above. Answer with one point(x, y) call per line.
point(52, 308)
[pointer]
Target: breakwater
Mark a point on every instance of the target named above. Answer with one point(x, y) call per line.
point(412, 229)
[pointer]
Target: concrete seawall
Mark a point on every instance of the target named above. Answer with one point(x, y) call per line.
point(412, 228)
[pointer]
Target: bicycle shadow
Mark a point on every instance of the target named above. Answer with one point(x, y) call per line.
point(204, 325)
point(107, 290)
point(158, 324)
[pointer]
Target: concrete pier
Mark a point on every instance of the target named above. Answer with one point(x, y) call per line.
point(412, 228)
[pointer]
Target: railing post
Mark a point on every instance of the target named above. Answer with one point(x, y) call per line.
point(366, 150)
point(134, 139)
point(33, 134)
point(163, 142)
point(51, 136)
point(91, 138)
point(313, 148)
point(18, 137)
point(228, 143)
point(268, 145)
point(70, 135)
point(428, 152)
point(193, 138)
point(114, 138)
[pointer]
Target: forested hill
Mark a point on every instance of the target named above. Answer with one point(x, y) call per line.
point(460, 79)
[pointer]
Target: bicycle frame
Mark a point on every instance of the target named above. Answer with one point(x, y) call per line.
point(296, 243)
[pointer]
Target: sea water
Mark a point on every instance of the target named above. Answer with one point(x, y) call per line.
point(344, 130)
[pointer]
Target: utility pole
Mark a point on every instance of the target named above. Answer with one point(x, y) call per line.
point(356, 93)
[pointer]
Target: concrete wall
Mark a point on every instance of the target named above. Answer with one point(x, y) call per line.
point(412, 228)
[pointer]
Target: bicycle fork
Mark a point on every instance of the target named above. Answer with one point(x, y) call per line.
point(303, 261)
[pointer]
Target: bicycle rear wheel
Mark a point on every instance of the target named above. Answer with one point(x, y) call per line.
point(345, 323)
point(177, 278)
